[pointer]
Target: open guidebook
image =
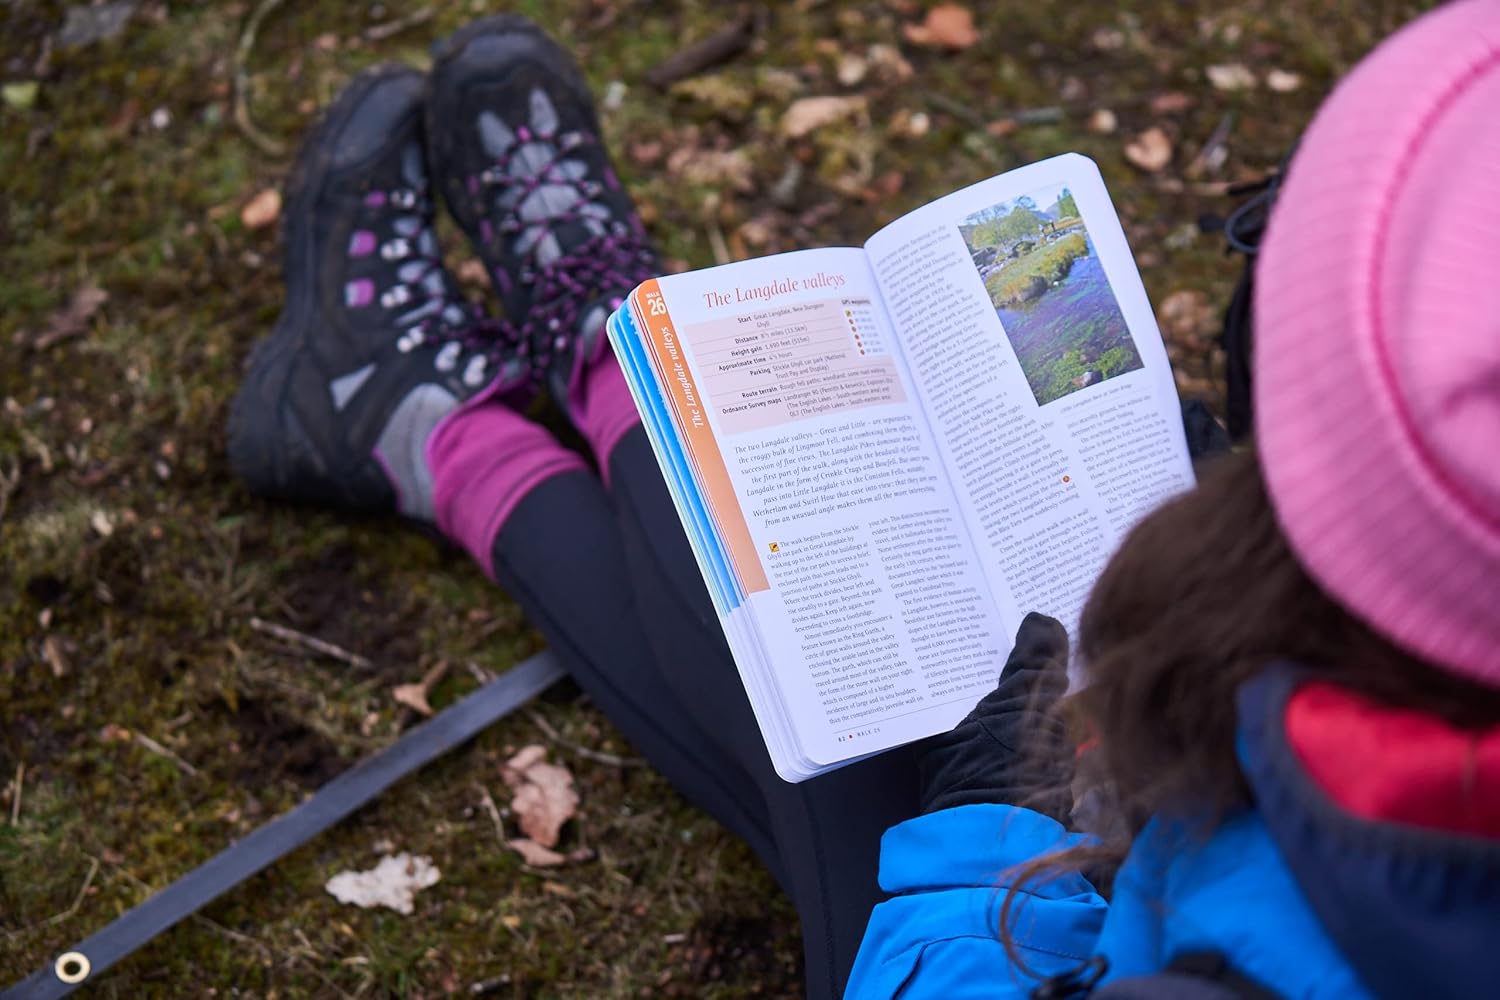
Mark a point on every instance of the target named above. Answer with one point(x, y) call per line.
point(884, 456)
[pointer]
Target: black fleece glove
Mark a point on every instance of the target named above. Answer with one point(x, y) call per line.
point(1013, 749)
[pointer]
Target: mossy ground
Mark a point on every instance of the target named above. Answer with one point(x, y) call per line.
point(131, 563)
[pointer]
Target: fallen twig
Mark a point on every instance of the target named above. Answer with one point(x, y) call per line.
point(598, 756)
point(380, 32)
point(58, 918)
point(719, 47)
point(145, 741)
point(15, 802)
point(487, 802)
point(716, 240)
point(414, 696)
point(259, 139)
point(1215, 151)
point(311, 642)
point(9, 480)
point(38, 448)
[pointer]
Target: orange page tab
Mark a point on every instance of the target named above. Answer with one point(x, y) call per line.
point(702, 445)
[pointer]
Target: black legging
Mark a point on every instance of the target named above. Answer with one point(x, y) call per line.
point(609, 579)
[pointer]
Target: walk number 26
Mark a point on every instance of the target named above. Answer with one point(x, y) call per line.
point(656, 305)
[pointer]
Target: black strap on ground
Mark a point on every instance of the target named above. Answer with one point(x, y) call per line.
point(88, 959)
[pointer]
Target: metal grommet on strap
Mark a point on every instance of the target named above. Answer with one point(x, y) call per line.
point(71, 967)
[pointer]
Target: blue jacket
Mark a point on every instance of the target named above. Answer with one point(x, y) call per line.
point(1300, 894)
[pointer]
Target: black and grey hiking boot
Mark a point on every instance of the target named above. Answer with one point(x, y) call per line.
point(517, 153)
point(375, 345)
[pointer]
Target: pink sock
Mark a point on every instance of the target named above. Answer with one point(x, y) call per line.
point(484, 459)
point(602, 408)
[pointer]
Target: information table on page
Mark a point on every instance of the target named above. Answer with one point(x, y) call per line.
point(788, 362)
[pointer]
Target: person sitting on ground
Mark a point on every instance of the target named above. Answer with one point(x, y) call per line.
point(1292, 672)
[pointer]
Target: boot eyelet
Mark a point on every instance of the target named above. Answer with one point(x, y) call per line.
point(473, 376)
point(395, 296)
point(447, 357)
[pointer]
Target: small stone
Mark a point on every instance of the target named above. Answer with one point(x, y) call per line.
point(1283, 81)
point(888, 64)
point(1150, 151)
point(614, 95)
point(20, 95)
point(1102, 122)
point(1108, 39)
point(909, 124)
point(851, 69)
point(1230, 77)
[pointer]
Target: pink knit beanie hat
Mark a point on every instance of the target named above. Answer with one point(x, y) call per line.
point(1377, 325)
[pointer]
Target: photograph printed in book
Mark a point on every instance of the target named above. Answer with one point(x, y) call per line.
point(1048, 288)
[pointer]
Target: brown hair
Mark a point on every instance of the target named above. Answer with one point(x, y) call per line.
point(1203, 594)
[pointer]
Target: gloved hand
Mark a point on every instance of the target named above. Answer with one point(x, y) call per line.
point(1013, 749)
point(1206, 437)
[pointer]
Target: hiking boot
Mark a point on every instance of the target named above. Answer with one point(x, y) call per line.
point(375, 345)
point(517, 154)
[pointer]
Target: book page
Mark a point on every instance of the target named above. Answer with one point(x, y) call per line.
point(821, 477)
point(1037, 356)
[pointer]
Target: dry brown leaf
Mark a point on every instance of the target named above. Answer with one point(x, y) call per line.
point(414, 696)
point(946, 26)
point(262, 210)
point(471, 271)
point(1283, 81)
point(1170, 103)
point(1150, 151)
point(1185, 314)
point(810, 113)
point(646, 151)
point(55, 652)
point(888, 64)
point(1102, 121)
point(852, 68)
point(906, 124)
point(393, 883)
point(1231, 76)
point(515, 768)
point(889, 184)
point(73, 318)
point(544, 795)
point(713, 168)
point(1107, 39)
point(759, 231)
point(535, 854)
